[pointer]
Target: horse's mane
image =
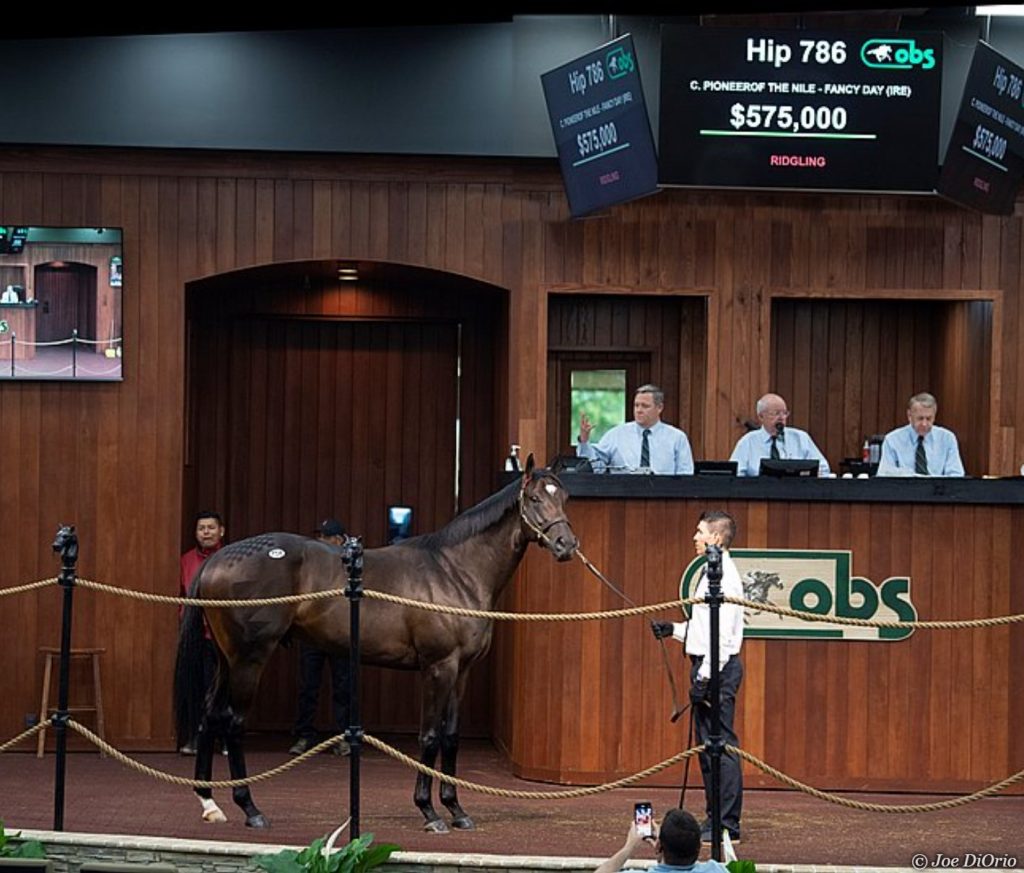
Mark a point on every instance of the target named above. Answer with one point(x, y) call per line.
point(476, 519)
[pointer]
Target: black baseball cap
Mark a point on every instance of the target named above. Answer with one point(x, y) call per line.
point(330, 527)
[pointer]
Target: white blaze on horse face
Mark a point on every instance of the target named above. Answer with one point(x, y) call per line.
point(551, 489)
point(211, 812)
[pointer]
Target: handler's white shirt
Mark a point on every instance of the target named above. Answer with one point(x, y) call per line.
point(730, 629)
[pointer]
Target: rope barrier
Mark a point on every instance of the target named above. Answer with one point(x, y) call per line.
point(29, 586)
point(528, 616)
point(492, 791)
point(163, 776)
point(62, 342)
point(864, 622)
point(995, 621)
point(97, 342)
point(24, 735)
point(380, 745)
point(370, 740)
point(193, 601)
point(952, 803)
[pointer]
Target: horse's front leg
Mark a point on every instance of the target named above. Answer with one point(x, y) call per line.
point(438, 682)
point(450, 754)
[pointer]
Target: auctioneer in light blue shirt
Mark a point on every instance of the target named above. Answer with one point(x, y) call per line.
point(940, 449)
point(618, 451)
point(757, 444)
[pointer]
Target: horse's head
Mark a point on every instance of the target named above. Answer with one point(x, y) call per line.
point(542, 510)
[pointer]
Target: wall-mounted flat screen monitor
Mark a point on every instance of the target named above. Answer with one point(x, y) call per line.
point(802, 467)
point(60, 303)
point(399, 523)
point(799, 109)
point(984, 162)
point(602, 132)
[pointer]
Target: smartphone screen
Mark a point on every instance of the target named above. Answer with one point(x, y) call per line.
point(643, 816)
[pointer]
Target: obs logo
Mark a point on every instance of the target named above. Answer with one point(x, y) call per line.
point(820, 581)
point(896, 54)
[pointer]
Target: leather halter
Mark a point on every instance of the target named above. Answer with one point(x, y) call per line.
point(541, 532)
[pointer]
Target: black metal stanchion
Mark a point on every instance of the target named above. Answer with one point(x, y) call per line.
point(66, 544)
point(715, 743)
point(354, 734)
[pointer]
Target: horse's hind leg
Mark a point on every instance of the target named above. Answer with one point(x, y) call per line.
point(438, 684)
point(244, 680)
point(450, 753)
point(204, 771)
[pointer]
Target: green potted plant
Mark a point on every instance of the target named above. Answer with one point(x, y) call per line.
point(24, 849)
point(321, 856)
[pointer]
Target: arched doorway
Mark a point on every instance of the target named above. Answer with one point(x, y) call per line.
point(311, 396)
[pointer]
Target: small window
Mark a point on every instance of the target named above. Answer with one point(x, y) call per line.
point(602, 395)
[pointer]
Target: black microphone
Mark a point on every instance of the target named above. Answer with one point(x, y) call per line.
point(780, 429)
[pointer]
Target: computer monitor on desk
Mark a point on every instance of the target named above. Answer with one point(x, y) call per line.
point(715, 468)
point(571, 464)
point(804, 467)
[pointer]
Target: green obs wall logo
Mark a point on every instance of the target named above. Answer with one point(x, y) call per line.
point(813, 581)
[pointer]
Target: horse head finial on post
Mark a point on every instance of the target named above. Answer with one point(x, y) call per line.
point(66, 545)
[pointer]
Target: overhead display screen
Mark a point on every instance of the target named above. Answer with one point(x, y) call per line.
point(819, 110)
point(601, 129)
point(984, 162)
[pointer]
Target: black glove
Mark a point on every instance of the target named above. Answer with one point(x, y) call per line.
point(662, 629)
point(699, 692)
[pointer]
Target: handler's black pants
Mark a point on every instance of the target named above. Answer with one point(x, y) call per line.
point(732, 776)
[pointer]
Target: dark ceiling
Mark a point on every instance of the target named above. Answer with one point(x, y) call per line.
point(24, 22)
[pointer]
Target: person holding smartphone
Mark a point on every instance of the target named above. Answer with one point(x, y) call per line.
point(715, 528)
point(676, 846)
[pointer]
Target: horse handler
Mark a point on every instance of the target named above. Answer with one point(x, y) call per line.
point(715, 528)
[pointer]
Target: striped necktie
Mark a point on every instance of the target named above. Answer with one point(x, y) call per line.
point(920, 459)
point(645, 450)
point(774, 452)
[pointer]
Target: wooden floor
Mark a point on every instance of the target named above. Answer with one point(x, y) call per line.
point(778, 826)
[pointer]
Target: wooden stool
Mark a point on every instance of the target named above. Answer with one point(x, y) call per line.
point(45, 710)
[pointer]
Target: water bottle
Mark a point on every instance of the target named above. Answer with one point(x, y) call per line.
point(865, 452)
point(875, 449)
point(512, 461)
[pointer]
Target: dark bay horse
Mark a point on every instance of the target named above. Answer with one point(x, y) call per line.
point(467, 563)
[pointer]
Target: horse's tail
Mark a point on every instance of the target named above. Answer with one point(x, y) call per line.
point(189, 683)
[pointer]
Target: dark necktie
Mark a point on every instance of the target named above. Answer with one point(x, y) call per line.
point(774, 453)
point(920, 461)
point(645, 450)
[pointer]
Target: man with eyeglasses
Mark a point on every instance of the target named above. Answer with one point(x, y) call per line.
point(775, 440)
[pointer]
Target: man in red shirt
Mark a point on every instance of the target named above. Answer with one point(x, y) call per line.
point(209, 539)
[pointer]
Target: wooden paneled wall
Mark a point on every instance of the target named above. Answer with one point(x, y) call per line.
point(110, 457)
point(666, 332)
point(933, 712)
point(847, 368)
point(310, 398)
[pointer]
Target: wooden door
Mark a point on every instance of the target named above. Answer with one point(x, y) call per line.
point(67, 301)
